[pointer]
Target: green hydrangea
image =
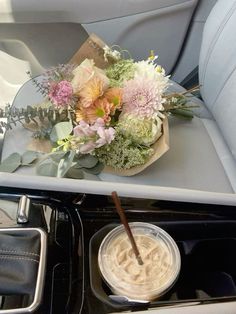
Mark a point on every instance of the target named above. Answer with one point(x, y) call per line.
point(123, 153)
point(120, 71)
point(141, 131)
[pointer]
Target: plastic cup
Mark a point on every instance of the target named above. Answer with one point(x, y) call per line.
point(121, 271)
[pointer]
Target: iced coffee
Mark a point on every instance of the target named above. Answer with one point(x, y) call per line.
point(121, 270)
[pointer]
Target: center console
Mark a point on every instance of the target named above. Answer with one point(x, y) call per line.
point(49, 244)
point(204, 233)
point(38, 253)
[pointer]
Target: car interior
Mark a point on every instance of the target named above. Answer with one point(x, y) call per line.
point(58, 224)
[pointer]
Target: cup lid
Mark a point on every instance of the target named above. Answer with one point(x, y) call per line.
point(125, 276)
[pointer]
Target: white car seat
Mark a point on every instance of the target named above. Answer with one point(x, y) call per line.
point(203, 151)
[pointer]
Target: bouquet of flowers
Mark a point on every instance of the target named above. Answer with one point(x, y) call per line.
point(94, 117)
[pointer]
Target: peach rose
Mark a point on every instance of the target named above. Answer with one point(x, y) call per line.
point(86, 71)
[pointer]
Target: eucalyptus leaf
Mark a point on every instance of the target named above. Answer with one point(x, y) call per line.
point(95, 170)
point(61, 131)
point(57, 156)
point(74, 173)
point(65, 164)
point(77, 165)
point(29, 157)
point(11, 163)
point(87, 161)
point(47, 168)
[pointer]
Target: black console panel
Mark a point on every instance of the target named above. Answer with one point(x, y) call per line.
point(75, 225)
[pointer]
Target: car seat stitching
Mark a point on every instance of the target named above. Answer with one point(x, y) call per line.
point(18, 258)
point(223, 86)
point(19, 252)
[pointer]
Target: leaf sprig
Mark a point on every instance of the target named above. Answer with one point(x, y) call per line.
point(58, 164)
point(68, 165)
point(38, 115)
point(177, 104)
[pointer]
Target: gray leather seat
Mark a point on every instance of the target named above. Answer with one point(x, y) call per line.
point(203, 151)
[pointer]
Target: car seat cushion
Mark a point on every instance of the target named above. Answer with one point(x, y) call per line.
point(217, 69)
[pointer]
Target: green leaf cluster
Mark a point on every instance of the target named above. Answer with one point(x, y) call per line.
point(178, 104)
point(120, 71)
point(15, 160)
point(123, 153)
point(44, 114)
point(58, 164)
point(69, 165)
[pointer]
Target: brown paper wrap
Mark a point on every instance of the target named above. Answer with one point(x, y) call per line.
point(160, 147)
point(40, 146)
point(92, 48)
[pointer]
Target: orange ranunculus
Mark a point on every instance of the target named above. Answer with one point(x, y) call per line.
point(114, 97)
point(91, 92)
point(79, 115)
point(101, 108)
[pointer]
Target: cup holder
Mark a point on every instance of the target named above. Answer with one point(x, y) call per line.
point(208, 268)
point(98, 286)
point(22, 267)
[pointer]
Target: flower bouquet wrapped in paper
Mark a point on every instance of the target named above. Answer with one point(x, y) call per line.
point(102, 111)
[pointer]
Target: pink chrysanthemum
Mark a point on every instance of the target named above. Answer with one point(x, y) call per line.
point(142, 97)
point(61, 93)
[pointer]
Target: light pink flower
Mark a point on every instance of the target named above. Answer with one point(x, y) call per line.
point(142, 97)
point(98, 123)
point(89, 137)
point(83, 129)
point(60, 93)
point(87, 147)
point(106, 136)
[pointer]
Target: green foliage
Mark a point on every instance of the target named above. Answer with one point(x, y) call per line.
point(47, 168)
point(58, 164)
point(182, 113)
point(123, 153)
point(44, 114)
point(15, 160)
point(11, 163)
point(87, 161)
point(120, 71)
point(65, 163)
point(60, 131)
point(178, 104)
point(75, 173)
point(28, 158)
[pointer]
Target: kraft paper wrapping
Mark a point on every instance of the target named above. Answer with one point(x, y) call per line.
point(92, 48)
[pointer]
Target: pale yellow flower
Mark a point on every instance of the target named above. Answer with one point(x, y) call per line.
point(79, 115)
point(91, 91)
point(84, 72)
